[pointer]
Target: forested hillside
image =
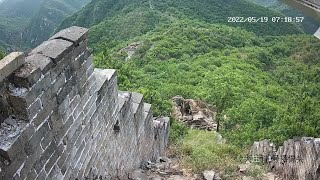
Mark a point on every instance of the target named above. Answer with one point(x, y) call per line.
point(264, 87)
point(114, 20)
point(2, 54)
point(26, 23)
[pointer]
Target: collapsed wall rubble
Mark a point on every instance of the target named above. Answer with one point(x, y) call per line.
point(195, 113)
point(297, 158)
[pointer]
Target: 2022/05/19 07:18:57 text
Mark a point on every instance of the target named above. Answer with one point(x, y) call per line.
point(239, 19)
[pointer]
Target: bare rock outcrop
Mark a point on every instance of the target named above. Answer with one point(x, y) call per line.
point(297, 158)
point(131, 49)
point(195, 113)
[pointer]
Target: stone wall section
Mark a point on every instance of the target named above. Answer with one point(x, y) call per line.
point(297, 158)
point(61, 118)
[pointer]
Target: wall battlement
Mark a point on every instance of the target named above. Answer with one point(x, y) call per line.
point(61, 118)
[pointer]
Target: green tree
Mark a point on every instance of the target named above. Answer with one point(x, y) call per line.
point(2, 54)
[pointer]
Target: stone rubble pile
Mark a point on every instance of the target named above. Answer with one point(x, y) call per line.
point(169, 169)
point(195, 113)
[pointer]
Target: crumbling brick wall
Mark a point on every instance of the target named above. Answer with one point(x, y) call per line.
point(297, 158)
point(61, 118)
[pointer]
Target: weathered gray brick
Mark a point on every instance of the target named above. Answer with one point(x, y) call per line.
point(42, 175)
point(30, 160)
point(84, 100)
point(77, 111)
point(74, 92)
point(84, 160)
point(75, 65)
point(54, 158)
point(60, 67)
point(26, 98)
point(74, 103)
point(64, 105)
point(55, 121)
point(89, 114)
point(68, 174)
point(17, 145)
point(38, 60)
point(66, 115)
point(71, 155)
point(10, 63)
point(55, 173)
point(42, 85)
point(58, 84)
point(78, 154)
point(62, 132)
point(45, 112)
point(12, 168)
point(19, 106)
point(38, 166)
point(47, 139)
point(66, 90)
point(55, 49)
point(89, 103)
point(80, 51)
point(46, 96)
point(73, 133)
point(73, 34)
point(32, 175)
point(88, 62)
point(93, 88)
point(27, 76)
point(69, 72)
point(34, 142)
point(34, 108)
point(90, 70)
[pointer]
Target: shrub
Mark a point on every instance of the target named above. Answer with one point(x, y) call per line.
point(204, 150)
point(177, 131)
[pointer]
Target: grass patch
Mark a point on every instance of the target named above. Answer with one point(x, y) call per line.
point(178, 131)
point(203, 150)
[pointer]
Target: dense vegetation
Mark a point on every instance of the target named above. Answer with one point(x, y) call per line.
point(119, 20)
point(264, 87)
point(26, 23)
point(2, 54)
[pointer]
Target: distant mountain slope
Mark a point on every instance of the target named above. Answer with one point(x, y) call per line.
point(19, 8)
point(309, 25)
point(26, 23)
point(48, 17)
point(104, 16)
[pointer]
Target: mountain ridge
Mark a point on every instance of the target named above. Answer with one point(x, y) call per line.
point(208, 11)
point(26, 23)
